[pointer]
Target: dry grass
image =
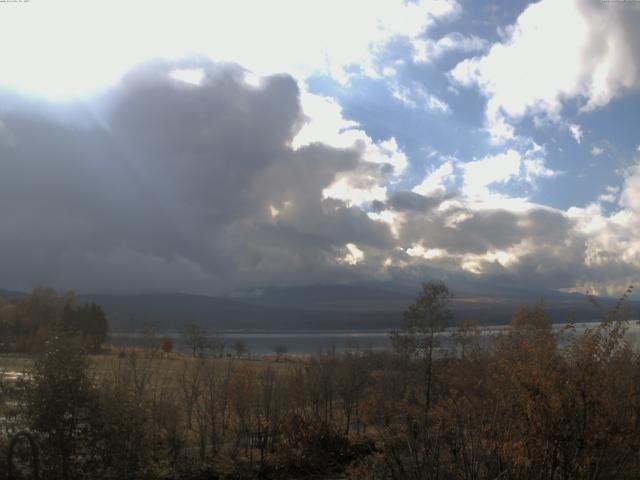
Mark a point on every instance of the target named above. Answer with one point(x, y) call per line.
point(106, 363)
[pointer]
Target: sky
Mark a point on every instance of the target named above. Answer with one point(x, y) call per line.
point(218, 147)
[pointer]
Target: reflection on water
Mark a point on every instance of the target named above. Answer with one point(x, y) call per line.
point(312, 342)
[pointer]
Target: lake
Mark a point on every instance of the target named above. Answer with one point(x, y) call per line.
point(295, 342)
point(312, 342)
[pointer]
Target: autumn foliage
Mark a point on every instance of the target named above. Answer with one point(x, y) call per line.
point(26, 322)
point(526, 402)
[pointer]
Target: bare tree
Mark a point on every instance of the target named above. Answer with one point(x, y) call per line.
point(280, 350)
point(240, 347)
point(190, 380)
point(166, 345)
point(216, 344)
point(352, 376)
point(195, 337)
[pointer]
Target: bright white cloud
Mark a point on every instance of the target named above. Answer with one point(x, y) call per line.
point(428, 50)
point(596, 151)
point(390, 217)
point(475, 263)
point(75, 47)
point(479, 177)
point(535, 168)
point(607, 197)
point(478, 263)
point(343, 190)
point(418, 250)
point(434, 103)
point(385, 216)
point(590, 52)
point(436, 182)
point(630, 198)
point(326, 124)
point(612, 248)
point(192, 76)
point(500, 131)
point(480, 174)
point(514, 74)
point(389, 152)
point(415, 96)
point(353, 254)
point(588, 55)
point(576, 131)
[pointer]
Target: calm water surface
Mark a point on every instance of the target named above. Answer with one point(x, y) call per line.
point(315, 341)
point(295, 342)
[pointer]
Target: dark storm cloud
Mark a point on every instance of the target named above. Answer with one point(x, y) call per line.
point(548, 250)
point(163, 185)
point(402, 201)
point(176, 187)
point(485, 230)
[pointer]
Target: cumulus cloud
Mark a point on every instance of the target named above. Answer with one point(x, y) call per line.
point(590, 54)
point(197, 176)
point(535, 247)
point(612, 253)
point(176, 186)
point(300, 38)
point(610, 196)
point(167, 183)
point(325, 123)
point(576, 132)
point(456, 221)
point(415, 96)
point(426, 50)
point(535, 168)
point(479, 178)
point(480, 174)
point(436, 181)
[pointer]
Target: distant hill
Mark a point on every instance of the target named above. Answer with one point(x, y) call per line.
point(487, 308)
point(11, 294)
point(173, 310)
point(323, 307)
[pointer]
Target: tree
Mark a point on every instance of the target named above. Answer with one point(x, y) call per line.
point(428, 315)
point(195, 337)
point(89, 321)
point(352, 376)
point(96, 327)
point(120, 433)
point(216, 345)
point(29, 319)
point(530, 318)
point(167, 345)
point(7, 322)
point(190, 380)
point(240, 348)
point(280, 350)
point(58, 398)
point(466, 337)
point(37, 313)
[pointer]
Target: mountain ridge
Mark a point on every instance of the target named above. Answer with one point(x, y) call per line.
point(321, 307)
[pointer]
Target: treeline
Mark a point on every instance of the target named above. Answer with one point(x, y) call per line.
point(537, 404)
point(27, 322)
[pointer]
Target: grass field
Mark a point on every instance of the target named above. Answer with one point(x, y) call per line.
point(104, 364)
